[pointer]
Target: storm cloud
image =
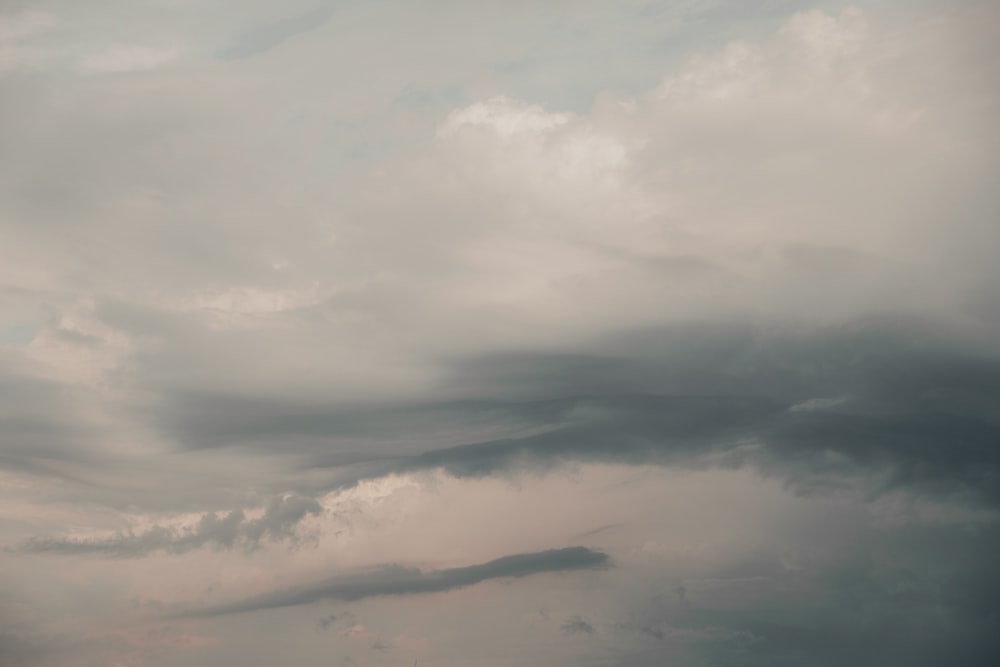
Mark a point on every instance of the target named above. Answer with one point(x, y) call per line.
point(888, 398)
point(875, 400)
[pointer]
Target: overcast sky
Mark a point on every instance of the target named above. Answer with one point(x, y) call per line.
point(472, 333)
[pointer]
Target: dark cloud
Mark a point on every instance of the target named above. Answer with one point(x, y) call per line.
point(324, 623)
point(577, 625)
point(226, 531)
point(335, 434)
point(622, 429)
point(915, 594)
point(172, 349)
point(888, 398)
point(17, 650)
point(885, 395)
point(818, 407)
point(46, 428)
point(398, 580)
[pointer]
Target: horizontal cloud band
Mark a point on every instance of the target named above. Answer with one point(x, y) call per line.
point(229, 531)
point(396, 580)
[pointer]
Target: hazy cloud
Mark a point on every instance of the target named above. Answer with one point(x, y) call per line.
point(266, 36)
point(289, 292)
point(577, 625)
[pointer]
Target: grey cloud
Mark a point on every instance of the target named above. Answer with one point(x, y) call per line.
point(917, 412)
point(324, 623)
point(624, 429)
point(397, 580)
point(267, 36)
point(914, 594)
point(887, 397)
point(47, 430)
point(198, 420)
point(203, 190)
point(577, 625)
point(16, 649)
point(864, 615)
point(226, 531)
point(28, 647)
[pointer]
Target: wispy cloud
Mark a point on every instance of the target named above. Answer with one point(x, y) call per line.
point(397, 580)
point(233, 530)
point(266, 36)
point(577, 625)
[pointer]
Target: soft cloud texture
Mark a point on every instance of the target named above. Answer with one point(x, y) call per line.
point(289, 293)
point(404, 581)
point(227, 531)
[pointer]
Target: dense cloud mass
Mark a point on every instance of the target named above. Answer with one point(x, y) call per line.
point(631, 333)
point(828, 404)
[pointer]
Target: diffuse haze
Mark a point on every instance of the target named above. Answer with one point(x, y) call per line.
point(552, 333)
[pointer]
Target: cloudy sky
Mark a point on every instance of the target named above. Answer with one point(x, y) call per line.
point(549, 333)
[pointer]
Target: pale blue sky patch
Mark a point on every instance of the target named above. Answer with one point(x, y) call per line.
point(18, 334)
point(271, 34)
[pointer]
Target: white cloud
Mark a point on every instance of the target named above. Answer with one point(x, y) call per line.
point(506, 117)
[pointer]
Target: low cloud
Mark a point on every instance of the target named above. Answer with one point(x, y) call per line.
point(917, 413)
point(398, 580)
point(577, 626)
point(324, 623)
point(227, 531)
point(254, 251)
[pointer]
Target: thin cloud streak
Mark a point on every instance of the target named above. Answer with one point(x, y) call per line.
point(266, 36)
point(233, 530)
point(397, 580)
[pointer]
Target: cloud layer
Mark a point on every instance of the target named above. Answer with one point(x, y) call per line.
point(705, 288)
point(408, 581)
point(232, 530)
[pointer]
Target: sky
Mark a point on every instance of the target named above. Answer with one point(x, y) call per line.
point(547, 333)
